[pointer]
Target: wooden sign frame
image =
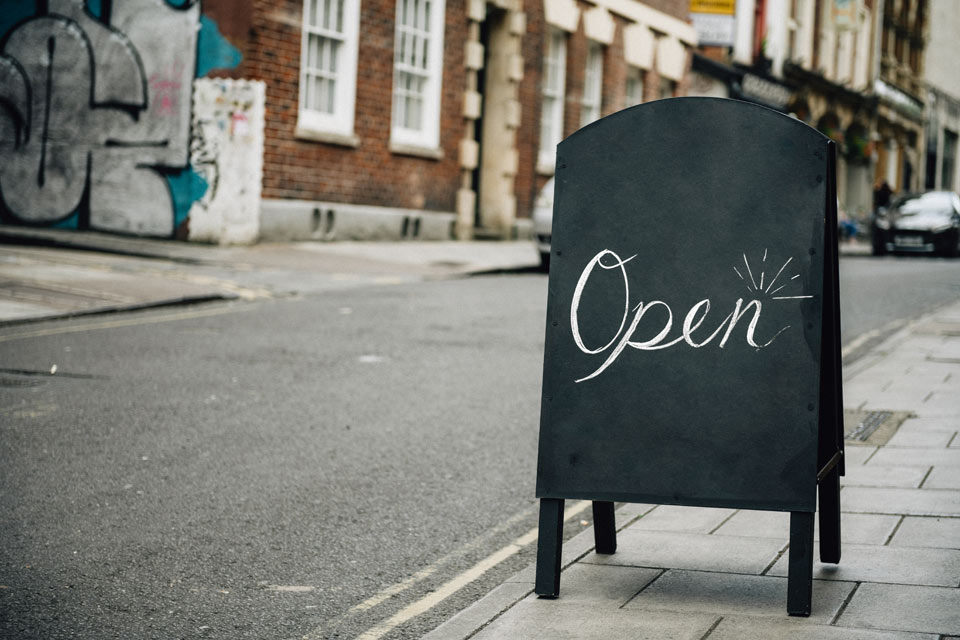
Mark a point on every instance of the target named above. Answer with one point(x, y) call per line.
point(745, 160)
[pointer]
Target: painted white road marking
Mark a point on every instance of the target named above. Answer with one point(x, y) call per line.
point(126, 322)
point(446, 590)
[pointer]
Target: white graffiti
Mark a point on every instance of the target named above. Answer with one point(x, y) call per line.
point(97, 109)
point(226, 149)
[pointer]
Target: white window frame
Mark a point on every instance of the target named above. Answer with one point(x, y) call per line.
point(636, 75)
point(552, 99)
point(428, 135)
point(335, 126)
point(592, 101)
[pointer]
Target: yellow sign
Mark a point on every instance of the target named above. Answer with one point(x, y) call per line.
point(721, 7)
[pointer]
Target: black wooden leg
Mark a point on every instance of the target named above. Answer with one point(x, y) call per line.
point(604, 527)
point(549, 546)
point(830, 517)
point(800, 576)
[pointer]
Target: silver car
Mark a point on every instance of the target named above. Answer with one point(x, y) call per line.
point(543, 223)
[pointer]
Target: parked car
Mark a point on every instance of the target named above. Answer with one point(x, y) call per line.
point(922, 223)
point(543, 223)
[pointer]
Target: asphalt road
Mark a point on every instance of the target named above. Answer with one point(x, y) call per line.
point(879, 295)
point(258, 470)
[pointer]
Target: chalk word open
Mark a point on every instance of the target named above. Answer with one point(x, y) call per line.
point(695, 316)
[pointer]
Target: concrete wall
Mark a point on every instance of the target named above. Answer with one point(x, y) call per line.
point(95, 111)
point(226, 148)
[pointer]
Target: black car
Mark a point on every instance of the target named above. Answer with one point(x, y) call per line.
point(924, 223)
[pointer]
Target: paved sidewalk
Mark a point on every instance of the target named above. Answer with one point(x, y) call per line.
point(53, 273)
point(720, 574)
point(48, 273)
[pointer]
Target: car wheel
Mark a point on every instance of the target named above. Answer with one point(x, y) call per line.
point(545, 261)
point(877, 243)
point(951, 245)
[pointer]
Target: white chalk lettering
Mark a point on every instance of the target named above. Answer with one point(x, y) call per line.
point(625, 334)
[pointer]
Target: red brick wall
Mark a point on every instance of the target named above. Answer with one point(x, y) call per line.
point(528, 182)
point(370, 173)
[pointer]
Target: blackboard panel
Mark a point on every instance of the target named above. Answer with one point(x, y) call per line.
point(672, 203)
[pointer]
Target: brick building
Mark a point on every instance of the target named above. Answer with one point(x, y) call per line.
point(229, 120)
point(851, 68)
point(437, 118)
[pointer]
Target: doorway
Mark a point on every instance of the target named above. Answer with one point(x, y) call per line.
point(493, 178)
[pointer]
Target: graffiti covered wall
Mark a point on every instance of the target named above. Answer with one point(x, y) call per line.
point(95, 112)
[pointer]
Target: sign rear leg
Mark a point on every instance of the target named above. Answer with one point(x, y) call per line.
point(800, 572)
point(829, 491)
point(549, 547)
point(604, 527)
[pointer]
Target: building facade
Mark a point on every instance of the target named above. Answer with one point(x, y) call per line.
point(319, 119)
point(899, 90)
point(942, 170)
point(851, 68)
point(447, 113)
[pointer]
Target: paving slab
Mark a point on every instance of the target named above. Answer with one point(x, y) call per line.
point(911, 502)
point(894, 565)
point(603, 587)
point(944, 423)
point(747, 628)
point(876, 378)
point(535, 619)
point(933, 439)
point(479, 613)
point(677, 550)
point(928, 532)
point(940, 402)
point(895, 401)
point(915, 456)
point(632, 510)
point(573, 549)
point(904, 608)
point(692, 519)
point(916, 382)
point(856, 528)
point(725, 594)
point(943, 478)
point(857, 454)
point(871, 475)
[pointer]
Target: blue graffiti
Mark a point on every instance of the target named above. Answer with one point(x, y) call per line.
point(213, 50)
point(186, 186)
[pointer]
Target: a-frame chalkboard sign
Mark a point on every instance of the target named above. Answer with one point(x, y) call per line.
point(692, 349)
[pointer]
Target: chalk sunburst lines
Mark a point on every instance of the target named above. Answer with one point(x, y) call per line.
point(753, 287)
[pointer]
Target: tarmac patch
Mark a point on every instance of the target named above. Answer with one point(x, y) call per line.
point(871, 428)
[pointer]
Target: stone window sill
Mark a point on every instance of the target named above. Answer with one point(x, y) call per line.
point(412, 150)
point(314, 135)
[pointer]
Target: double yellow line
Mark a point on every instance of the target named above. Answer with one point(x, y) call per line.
point(126, 322)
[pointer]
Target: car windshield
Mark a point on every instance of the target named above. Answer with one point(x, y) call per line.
point(936, 203)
